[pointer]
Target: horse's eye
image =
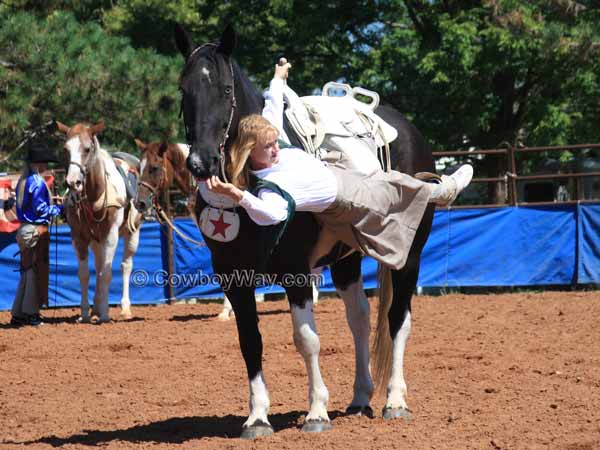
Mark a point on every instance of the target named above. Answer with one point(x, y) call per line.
point(86, 151)
point(228, 90)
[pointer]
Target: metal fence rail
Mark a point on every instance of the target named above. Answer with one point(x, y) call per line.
point(511, 177)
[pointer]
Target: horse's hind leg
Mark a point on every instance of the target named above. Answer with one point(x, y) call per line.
point(83, 271)
point(404, 282)
point(131, 242)
point(347, 279)
point(227, 311)
point(308, 345)
point(399, 320)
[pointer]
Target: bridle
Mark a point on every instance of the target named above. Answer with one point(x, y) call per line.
point(231, 112)
point(153, 197)
point(81, 199)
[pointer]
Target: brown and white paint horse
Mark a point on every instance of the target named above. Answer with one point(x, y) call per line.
point(162, 165)
point(98, 213)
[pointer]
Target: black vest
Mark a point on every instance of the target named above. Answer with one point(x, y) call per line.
point(269, 235)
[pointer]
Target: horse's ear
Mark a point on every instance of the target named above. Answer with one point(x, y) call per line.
point(183, 41)
point(228, 41)
point(97, 128)
point(140, 144)
point(62, 127)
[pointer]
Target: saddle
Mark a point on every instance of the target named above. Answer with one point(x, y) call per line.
point(129, 167)
point(340, 130)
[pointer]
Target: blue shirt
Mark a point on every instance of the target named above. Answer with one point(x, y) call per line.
point(33, 201)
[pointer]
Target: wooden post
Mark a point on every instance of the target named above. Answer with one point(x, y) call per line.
point(512, 167)
point(170, 250)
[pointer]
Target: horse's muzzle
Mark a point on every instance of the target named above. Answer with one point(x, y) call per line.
point(200, 168)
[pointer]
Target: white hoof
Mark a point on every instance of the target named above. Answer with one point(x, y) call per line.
point(126, 315)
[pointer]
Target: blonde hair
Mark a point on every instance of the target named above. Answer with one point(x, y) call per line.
point(252, 131)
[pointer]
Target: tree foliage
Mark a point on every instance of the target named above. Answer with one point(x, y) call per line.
point(58, 68)
point(490, 70)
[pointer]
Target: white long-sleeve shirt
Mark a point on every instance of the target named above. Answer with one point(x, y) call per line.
point(308, 180)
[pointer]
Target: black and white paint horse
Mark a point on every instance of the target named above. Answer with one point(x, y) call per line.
point(216, 94)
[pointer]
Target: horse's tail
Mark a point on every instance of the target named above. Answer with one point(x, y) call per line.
point(382, 346)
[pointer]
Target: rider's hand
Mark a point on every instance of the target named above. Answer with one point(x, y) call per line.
point(217, 186)
point(282, 69)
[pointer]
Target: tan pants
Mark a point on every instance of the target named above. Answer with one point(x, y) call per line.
point(32, 291)
point(378, 214)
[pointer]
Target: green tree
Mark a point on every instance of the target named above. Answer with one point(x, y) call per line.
point(57, 68)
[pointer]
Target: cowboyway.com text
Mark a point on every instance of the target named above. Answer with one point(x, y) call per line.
point(239, 278)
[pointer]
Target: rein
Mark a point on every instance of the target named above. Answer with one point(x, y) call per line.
point(160, 213)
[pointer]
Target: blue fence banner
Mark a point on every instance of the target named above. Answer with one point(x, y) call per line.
point(507, 246)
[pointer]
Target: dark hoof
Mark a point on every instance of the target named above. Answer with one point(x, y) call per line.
point(259, 429)
point(317, 426)
point(360, 411)
point(396, 413)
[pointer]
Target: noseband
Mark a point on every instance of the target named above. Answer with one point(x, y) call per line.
point(231, 113)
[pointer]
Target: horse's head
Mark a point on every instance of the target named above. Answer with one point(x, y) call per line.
point(208, 99)
point(153, 173)
point(82, 146)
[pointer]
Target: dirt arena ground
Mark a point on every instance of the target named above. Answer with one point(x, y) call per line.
point(511, 371)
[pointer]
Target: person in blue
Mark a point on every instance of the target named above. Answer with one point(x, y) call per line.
point(35, 212)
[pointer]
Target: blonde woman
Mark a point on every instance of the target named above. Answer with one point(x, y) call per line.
point(378, 214)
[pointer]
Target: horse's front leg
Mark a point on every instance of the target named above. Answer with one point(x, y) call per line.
point(308, 345)
point(130, 247)
point(104, 253)
point(346, 276)
point(83, 271)
point(244, 305)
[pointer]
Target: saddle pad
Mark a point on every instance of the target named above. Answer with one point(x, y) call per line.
point(219, 225)
point(214, 199)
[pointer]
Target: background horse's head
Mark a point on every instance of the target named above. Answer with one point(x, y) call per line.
point(154, 173)
point(82, 146)
point(214, 96)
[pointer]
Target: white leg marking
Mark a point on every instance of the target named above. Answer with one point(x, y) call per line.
point(131, 245)
point(357, 316)
point(103, 256)
point(83, 271)
point(308, 345)
point(259, 401)
point(396, 391)
point(227, 311)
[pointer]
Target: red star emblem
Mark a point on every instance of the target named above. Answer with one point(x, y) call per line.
point(220, 226)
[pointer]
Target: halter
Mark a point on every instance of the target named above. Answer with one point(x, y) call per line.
point(79, 199)
point(153, 189)
point(231, 113)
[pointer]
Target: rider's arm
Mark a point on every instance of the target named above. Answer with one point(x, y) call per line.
point(268, 208)
point(41, 200)
point(273, 109)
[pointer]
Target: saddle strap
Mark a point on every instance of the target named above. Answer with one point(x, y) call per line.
point(428, 177)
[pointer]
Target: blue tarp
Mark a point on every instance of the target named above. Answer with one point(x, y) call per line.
point(552, 245)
